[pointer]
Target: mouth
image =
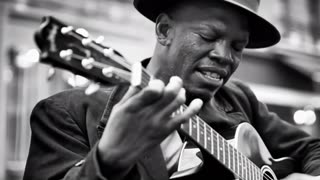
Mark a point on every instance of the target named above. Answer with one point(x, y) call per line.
point(212, 74)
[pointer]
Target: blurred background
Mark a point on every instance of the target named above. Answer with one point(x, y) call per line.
point(286, 77)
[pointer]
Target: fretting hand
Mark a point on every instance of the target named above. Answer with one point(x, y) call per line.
point(142, 120)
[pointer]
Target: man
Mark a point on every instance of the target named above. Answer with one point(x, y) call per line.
point(131, 134)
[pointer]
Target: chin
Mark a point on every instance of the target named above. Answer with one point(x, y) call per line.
point(203, 94)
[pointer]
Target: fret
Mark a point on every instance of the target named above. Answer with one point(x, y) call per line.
point(190, 126)
point(194, 129)
point(198, 133)
point(221, 149)
point(244, 166)
point(249, 169)
point(226, 153)
point(215, 143)
point(205, 136)
point(236, 162)
point(209, 139)
point(231, 157)
point(240, 165)
point(253, 172)
point(201, 128)
point(259, 175)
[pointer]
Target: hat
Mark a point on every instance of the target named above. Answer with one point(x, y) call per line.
point(262, 33)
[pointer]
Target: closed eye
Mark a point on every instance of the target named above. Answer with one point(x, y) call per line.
point(208, 38)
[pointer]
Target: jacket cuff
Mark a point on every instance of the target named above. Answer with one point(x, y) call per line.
point(93, 169)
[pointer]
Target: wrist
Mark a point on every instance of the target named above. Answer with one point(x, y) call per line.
point(112, 165)
point(113, 157)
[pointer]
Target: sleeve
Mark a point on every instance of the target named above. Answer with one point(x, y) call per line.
point(59, 148)
point(284, 139)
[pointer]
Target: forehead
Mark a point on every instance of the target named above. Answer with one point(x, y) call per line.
point(210, 13)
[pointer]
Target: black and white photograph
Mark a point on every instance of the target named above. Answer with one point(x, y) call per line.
point(160, 89)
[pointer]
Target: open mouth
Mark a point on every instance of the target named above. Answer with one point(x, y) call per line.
point(211, 75)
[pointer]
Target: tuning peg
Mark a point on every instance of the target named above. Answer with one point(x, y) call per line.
point(92, 88)
point(66, 54)
point(108, 52)
point(83, 32)
point(136, 77)
point(86, 41)
point(66, 30)
point(99, 40)
point(51, 73)
point(108, 72)
point(87, 63)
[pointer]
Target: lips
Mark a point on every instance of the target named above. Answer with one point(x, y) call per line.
point(213, 73)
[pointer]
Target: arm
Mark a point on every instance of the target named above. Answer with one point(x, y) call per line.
point(59, 143)
point(137, 124)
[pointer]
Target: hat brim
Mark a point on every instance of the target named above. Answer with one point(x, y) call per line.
point(262, 33)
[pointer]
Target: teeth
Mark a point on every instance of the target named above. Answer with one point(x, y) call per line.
point(211, 75)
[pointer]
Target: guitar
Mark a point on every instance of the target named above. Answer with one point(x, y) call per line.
point(247, 158)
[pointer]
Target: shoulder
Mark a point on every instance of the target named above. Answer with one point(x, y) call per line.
point(73, 104)
point(239, 89)
point(241, 96)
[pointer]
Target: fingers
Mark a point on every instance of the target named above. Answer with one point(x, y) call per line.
point(149, 95)
point(189, 112)
point(171, 91)
point(157, 93)
point(175, 104)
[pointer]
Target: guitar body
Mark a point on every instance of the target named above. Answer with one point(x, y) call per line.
point(250, 144)
point(248, 141)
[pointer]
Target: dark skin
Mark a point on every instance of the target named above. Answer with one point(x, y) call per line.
point(199, 46)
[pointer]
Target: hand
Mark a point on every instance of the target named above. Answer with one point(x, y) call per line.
point(299, 176)
point(142, 120)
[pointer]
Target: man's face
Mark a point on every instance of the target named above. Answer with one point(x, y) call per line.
point(207, 41)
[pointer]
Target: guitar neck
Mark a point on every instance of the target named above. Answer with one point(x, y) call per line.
point(212, 142)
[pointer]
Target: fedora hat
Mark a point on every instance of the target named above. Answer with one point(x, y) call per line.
point(262, 33)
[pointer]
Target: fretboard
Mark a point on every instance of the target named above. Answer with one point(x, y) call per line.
point(212, 142)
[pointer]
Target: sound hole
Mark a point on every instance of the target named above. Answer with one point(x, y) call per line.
point(268, 176)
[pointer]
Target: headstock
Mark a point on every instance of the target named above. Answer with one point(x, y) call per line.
point(64, 47)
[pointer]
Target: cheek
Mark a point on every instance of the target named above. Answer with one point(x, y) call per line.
point(236, 63)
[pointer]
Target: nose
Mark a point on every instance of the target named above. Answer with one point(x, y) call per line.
point(221, 52)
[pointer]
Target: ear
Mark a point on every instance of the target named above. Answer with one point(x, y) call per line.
point(164, 29)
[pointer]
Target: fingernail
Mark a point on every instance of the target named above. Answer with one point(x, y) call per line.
point(156, 83)
point(175, 79)
point(197, 102)
point(182, 92)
